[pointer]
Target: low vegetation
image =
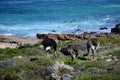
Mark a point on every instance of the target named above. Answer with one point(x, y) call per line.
point(31, 63)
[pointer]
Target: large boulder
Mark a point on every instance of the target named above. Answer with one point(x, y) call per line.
point(60, 71)
point(116, 29)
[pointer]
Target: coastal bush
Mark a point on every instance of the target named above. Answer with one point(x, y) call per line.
point(114, 53)
point(93, 71)
point(84, 78)
point(108, 40)
point(113, 40)
point(25, 69)
point(10, 74)
point(9, 53)
point(92, 77)
point(102, 40)
point(98, 64)
point(98, 77)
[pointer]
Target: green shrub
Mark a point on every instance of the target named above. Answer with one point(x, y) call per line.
point(108, 40)
point(9, 53)
point(95, 77)
point(114, 53)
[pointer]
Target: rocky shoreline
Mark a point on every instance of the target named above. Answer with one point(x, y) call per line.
point(15, 42)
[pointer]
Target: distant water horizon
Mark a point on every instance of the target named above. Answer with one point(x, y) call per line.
point(26, 18)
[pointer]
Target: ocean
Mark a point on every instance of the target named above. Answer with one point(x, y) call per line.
point(26, 18)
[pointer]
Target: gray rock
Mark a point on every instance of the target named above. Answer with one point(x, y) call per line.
point(62, 69)
point(116, 29)
point(7, 64)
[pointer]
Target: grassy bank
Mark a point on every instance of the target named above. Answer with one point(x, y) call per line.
point(31, 63)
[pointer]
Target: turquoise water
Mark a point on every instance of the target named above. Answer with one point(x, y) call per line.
point(26, 18)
